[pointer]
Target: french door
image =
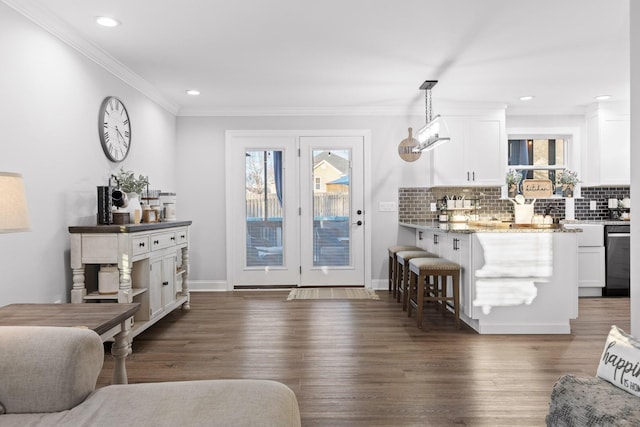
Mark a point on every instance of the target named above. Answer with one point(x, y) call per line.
point(295, 209)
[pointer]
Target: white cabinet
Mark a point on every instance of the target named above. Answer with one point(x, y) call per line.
point(454, 247)
point(459, 251)
point(152, 261)
point(608, 145)
point(162, 291)
point(591, 259)
point(476, 154)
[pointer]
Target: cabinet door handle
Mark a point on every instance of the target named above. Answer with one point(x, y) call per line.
point(183, 236)
point(173, 238)
point(468, 176)
point(156, 242)
point(141, 244)
point(435, 239)
point(165, 283)
point(474, 175)
point(419, 235)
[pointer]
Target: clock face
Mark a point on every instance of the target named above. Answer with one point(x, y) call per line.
point(114, 129)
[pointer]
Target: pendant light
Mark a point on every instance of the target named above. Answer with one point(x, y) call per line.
point(436, 131)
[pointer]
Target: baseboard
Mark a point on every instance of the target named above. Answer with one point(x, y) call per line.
point(221, 285)
point(207, 285)
point(379, 284)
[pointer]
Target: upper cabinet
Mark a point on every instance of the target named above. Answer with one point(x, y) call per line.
point(476, 154)
point(608, 145)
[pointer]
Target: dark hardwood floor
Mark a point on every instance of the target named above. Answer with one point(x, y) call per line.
point(364, 363)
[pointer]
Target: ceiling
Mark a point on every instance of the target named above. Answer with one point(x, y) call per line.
point(354, 56)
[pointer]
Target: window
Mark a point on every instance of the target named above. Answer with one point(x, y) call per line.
point(318, 187)
point(538, 158)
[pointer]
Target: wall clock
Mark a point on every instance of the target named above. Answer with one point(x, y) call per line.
point(114, 129)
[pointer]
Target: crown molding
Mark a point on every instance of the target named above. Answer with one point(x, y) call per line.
point(60, 29)
point(298, 111)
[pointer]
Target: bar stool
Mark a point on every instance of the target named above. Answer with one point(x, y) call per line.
point(392, 263)
point(421, 271)
point(402, 272)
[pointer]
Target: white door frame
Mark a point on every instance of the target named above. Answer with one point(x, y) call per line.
point(231, 246)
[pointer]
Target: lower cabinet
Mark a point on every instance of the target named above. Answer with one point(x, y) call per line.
point(591, 259)
point(162, 291)
point(454, 247)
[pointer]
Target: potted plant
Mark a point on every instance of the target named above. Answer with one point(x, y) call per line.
point(512, 180)
point(133, 187)
point(130, 184)
point(568, 180)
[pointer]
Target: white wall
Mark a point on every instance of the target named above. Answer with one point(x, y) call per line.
point(201, 183)
point(49, 134)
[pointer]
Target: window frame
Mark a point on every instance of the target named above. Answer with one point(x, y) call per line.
point(571, 137)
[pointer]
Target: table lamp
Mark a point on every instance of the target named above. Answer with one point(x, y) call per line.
point(13, 204)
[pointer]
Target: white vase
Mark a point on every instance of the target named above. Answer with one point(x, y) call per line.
point(134, 208)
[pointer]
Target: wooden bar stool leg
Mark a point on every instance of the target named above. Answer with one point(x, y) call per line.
point(405, 285)
point(412, 282)
point(400, 273)
point(443, 301)
point(420, 289)
point(456, 298)
point(391, 267)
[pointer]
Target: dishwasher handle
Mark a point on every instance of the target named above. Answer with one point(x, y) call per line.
point(619, 235)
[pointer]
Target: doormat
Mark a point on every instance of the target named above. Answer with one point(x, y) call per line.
point(332, 293)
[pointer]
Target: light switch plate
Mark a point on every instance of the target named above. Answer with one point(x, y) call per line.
point(592, 205)
point(387, 207)
point(434, 207)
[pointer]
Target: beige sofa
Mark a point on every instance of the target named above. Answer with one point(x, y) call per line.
point(48, 377)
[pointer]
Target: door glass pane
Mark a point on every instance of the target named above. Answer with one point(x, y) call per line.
point(331, 208)
point(263, 203)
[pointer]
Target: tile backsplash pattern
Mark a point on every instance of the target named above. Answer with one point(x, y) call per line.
point(414, 203)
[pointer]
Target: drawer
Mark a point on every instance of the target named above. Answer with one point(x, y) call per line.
point(182, 236)
point(162, 240)
point(140, 245)
point(99, 248)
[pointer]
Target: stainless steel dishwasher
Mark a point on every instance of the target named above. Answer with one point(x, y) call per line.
point(617, 246)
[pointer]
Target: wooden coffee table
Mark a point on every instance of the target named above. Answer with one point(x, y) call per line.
point(107, 320)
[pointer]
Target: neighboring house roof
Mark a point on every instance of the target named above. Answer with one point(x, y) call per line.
point(340, 163)
point(342, 180)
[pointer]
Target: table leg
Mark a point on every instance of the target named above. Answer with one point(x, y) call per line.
point(119, 351)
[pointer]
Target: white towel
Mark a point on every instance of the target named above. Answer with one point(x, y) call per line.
point(513, 263)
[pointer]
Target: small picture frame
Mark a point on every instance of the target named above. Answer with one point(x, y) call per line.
point(149, 216)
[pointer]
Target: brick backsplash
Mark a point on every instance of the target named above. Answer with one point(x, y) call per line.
point(414, 203)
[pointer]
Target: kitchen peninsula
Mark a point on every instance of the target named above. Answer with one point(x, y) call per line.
point(520, 280)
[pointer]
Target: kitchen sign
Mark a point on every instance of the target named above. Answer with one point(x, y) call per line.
point(532, 188)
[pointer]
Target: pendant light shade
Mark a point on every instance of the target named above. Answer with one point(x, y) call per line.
point(436, 131)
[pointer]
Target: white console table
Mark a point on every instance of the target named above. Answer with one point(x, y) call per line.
point(152, 261)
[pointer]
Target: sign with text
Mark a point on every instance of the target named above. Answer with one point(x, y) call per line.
point(532, 188)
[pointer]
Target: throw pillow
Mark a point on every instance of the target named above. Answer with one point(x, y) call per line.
point(620, 361)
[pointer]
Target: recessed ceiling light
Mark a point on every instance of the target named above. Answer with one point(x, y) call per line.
point(603, 97)
point(526, 98)
point(193, 92)
point(105, 21)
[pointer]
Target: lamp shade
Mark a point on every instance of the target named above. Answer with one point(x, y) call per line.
point(13, 203)
point(432, 134)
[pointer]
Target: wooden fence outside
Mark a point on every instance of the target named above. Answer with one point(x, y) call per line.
point(324, 205)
